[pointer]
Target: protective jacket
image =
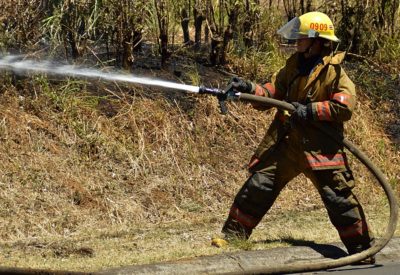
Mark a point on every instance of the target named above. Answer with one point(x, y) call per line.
point(292, 146)
point(331, 95)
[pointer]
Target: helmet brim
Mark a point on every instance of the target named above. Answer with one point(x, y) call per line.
point(291, 29)
point(333, 37)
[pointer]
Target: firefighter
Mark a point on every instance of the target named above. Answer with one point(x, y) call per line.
point(322, 93)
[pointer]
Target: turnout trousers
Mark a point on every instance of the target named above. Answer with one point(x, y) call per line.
point(269, 177)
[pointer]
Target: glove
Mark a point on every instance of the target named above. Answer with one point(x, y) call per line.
point(241, 85)
point(303, 112)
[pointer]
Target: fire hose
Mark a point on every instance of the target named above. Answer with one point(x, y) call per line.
point(378, 245)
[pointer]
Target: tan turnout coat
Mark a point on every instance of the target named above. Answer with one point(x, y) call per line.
point(332, 95)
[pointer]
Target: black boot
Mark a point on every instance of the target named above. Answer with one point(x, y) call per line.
point(234, 229)
point(359, 248)
point(231, 231)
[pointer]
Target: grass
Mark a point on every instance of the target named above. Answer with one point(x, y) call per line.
point(120, 246)
point(93, 179)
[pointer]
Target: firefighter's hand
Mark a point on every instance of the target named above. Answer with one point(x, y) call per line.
point(253, 162)
point(242, 86)
point(303, 112)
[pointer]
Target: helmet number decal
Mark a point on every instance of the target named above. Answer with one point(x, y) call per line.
point(319, 27)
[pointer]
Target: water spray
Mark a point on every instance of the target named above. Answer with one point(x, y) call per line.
point(15, 64)
point(20, 66)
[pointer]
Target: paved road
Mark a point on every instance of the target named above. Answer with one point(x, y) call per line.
point(388, 268)
point(388, 262)
point(237, 262)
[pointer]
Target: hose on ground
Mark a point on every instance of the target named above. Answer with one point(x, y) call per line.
point(334, 263)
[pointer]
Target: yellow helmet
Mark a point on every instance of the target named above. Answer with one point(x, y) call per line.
point(311, 24)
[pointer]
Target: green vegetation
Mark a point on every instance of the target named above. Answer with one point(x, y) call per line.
point(96, 175)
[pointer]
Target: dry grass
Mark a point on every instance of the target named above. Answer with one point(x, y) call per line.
point(93, 180)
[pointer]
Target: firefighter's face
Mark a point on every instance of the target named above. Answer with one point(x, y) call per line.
point(303, 44)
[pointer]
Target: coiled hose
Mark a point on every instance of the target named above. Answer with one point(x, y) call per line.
point(328, 264)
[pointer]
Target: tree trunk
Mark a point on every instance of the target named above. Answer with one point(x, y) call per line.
point(137, 40)
point(72, 43)
point(290, 9)
point(185, 26)
point(216, 45)
point(248, 24)
point(127, 59)
point(206, 34)
point(395, 9)
point(198, 23)
point(197, 36)
point(162, 16)
point(305, 7)
point(227, 38)
point(216, 40)
point(353, 18)
point(309, 6)
point(67, 28)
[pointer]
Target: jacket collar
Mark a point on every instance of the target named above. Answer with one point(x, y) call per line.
point(328, 58)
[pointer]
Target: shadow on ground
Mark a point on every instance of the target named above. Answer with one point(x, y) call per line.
point(326, 250)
